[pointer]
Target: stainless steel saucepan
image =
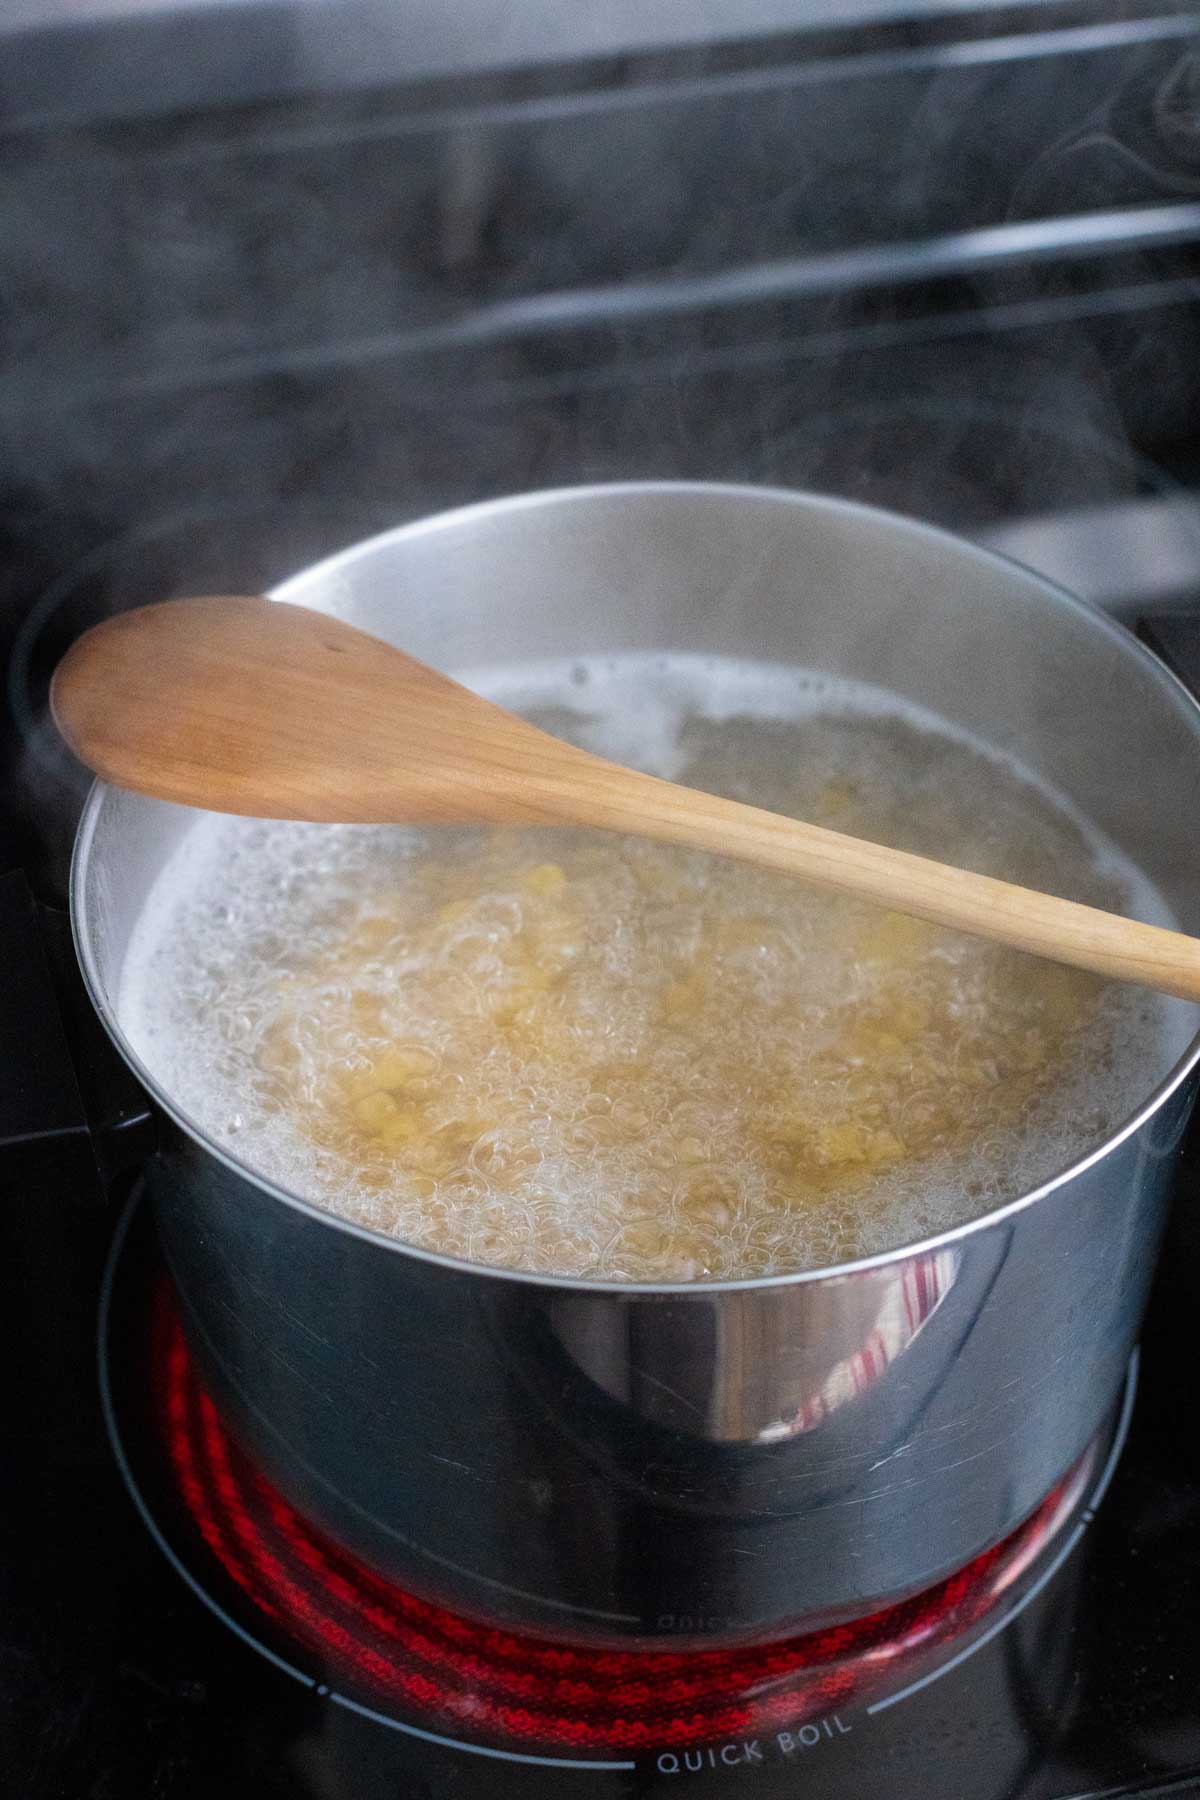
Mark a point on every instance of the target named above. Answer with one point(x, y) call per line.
point(612, 1461)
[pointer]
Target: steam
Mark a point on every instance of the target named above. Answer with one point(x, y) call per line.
point(237, 340)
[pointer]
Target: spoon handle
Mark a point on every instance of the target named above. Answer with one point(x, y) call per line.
point(1084, 937)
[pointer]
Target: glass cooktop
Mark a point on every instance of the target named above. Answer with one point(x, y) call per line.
point(948, 266)
point(169, 1627)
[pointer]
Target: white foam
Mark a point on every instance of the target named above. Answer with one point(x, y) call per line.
point(245, 906)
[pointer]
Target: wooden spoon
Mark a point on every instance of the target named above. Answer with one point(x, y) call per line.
point(253, 706)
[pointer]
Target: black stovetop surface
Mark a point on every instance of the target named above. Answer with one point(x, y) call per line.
point(119, 1684)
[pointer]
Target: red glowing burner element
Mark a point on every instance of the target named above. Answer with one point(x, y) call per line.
point(443, 1670)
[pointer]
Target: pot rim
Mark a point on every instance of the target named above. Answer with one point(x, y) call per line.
point(450, 519)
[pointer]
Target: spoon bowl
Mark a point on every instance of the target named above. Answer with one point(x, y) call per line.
point(240, 704)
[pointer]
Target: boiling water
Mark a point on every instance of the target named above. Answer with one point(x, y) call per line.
point(592, 1055)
